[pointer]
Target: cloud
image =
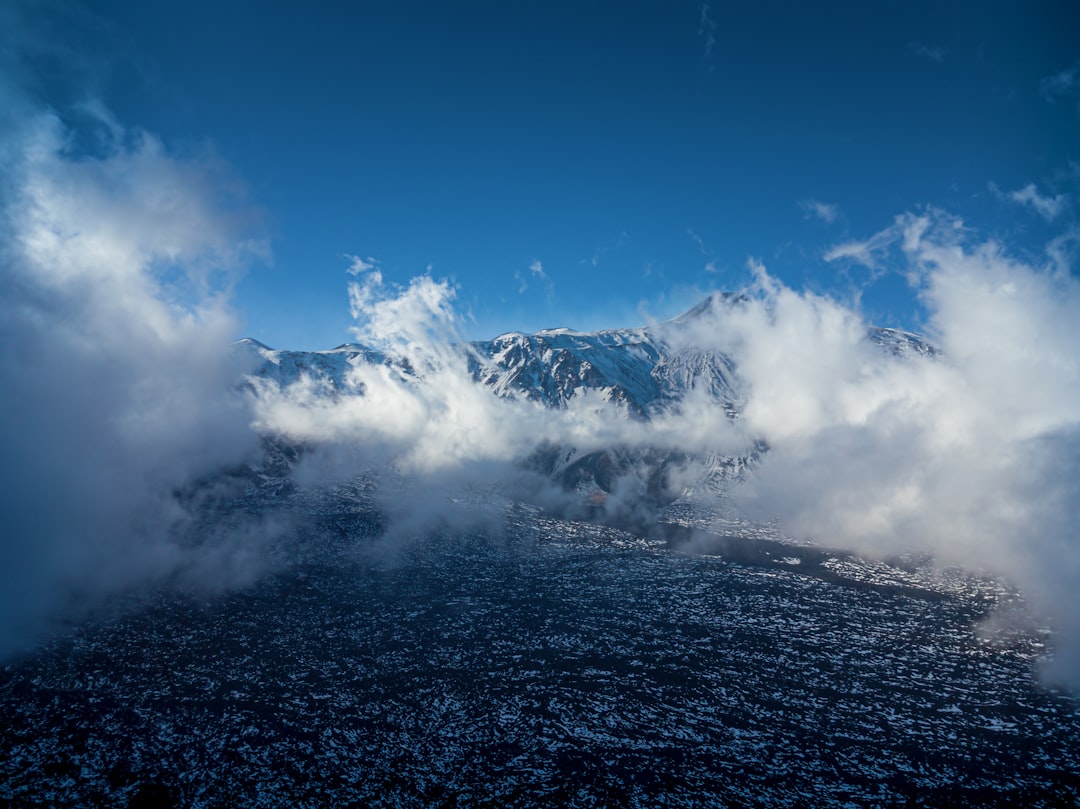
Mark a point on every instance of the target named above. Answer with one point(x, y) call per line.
point(359, 266)
point(1049, 208)
point(867, 252)
point(707, 31)
point(1064, 84)
point(599, 253)
point(711, 265)
point(536, 271)
point(120, 391)
point(972, 456)
point(421, 412)
point(825, 211)
point(698, 241)
point(930, 54)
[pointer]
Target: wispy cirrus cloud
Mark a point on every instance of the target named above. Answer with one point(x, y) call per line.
point(928, 53)
point(535, 273)
point(361, 265)
point(866, 252)
point(710, 263)
point(1048, 207)
point(1064, 84)
point(827, 212)
point(611, 247)
point(707, 31)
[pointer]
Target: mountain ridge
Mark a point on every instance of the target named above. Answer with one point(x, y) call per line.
point(645, 371)
point(640, 368)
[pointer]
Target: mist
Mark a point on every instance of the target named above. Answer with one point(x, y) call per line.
point(969, 455)
point(124, 407)
point(120, 387)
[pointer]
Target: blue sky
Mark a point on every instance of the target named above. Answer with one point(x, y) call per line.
point(584, 164)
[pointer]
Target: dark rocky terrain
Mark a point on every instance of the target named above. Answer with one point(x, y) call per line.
point(551, 662)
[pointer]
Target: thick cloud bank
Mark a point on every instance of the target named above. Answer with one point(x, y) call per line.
point(973, 457)
point(119, 385)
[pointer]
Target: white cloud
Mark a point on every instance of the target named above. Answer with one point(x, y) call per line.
point(973, 456)
point(929, 53)
point(1049, 208)
point(1063, 84)
point(825, 211)
point(707, 30)
point(611, 247)
point(698, 241)
point(422, 413)
point(120, 391)
point(359, 266)
point(536, 271)
point(711, 265)
point(868, 252)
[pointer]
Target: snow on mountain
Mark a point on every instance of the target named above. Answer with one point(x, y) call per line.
point(902, 343)
point(643, 369)
point(647, 371)
point(553, 366)
point(333, 365)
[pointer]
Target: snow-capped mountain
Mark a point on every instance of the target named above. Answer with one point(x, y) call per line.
point(646, 371)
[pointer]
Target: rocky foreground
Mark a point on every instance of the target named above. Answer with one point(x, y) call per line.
point(546, 662)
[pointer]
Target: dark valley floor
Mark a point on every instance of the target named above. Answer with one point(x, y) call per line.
point(560, 664)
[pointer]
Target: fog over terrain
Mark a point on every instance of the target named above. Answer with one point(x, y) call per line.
point(122, 391)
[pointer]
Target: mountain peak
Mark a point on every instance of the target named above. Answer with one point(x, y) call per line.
point(714, 303)
point(251, 341)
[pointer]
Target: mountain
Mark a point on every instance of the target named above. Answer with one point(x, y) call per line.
point(646, 371)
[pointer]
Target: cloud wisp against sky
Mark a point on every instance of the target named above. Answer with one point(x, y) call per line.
point(1063, 84)
point(826, 212)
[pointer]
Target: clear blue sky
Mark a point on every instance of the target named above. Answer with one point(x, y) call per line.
point(641, 152)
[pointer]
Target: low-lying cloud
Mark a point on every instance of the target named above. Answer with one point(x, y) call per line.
point(119, 386)
point(970, 455)
point(123, 400)
point(973, 456)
